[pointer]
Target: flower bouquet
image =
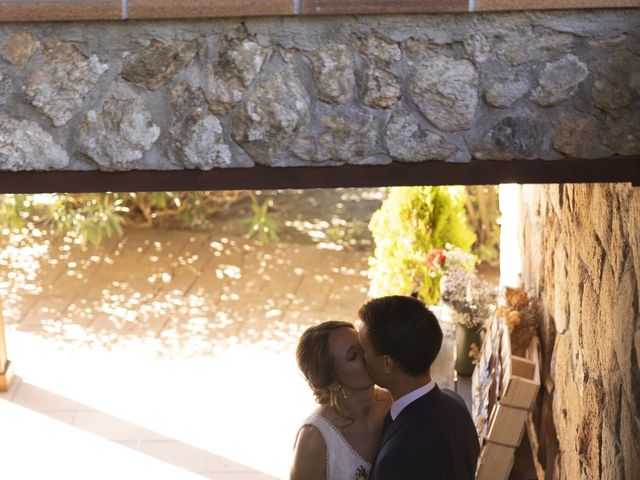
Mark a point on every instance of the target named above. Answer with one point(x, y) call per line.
point(471, 300)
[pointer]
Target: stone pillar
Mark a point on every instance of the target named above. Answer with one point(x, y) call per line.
point(581, 257)
point(5, 371)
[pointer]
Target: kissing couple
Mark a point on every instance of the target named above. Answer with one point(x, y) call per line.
point(381, 416)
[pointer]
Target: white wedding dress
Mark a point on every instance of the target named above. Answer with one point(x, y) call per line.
point(343, 462)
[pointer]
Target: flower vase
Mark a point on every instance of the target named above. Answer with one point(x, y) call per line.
point(465, 337)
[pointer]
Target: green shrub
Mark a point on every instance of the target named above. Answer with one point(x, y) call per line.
point(410, 224)
point(92, 217)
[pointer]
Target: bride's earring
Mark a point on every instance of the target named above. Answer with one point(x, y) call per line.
point(339, 388)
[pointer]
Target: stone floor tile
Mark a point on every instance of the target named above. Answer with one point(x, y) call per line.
point(151, 436)
point(148, 324)
point(107, 426)
point(200, 257)
point(249, 289)
point(311, 294)
point(62, 416)
point(298, 321)
point(172, 243)
point(47, 310)
point(195, 254)
point(176, 453)
point(183, 277)
point(40, 400)
point(150, 266)
point(201, 331)
point(229, 250)
point(132, 246)
point(85, 317)
point(308, 258)
point(221, 465)
point(51, 269)
point(220, 272)
point(72, 281)
point(15, 307)
point(103, 323)
point(131, 445)
point(354, 266)
point(163, 252)
point(280, 282)
point(347, 299)
point(269, 327)
point(123, 282)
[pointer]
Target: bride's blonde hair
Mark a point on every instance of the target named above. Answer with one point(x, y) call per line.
point(315, 362)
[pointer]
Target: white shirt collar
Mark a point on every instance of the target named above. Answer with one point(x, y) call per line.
point(404, 401)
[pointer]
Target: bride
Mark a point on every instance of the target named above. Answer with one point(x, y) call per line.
point(339, 440)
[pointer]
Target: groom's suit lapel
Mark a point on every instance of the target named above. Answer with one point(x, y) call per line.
point(395, 425)
point(405, 416)
point(407, 413)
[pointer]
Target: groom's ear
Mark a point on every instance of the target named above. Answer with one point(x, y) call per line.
point(389, 364)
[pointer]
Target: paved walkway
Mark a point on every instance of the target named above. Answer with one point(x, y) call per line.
point(166, 353)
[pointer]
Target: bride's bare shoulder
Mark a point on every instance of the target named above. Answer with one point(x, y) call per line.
point(310, 440)
point(310, 455)
point(383, 395)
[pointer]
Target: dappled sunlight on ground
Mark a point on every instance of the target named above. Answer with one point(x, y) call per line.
point(190, 335)
point(180, 293)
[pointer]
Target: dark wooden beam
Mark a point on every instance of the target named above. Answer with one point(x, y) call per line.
point(615, 169)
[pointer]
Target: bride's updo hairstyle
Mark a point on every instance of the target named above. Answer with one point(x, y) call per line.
point(315, 362)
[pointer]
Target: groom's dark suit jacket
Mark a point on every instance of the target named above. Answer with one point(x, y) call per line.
point(432, 438)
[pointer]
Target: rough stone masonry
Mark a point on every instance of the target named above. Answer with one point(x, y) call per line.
point(319, 91)
point(581, 257)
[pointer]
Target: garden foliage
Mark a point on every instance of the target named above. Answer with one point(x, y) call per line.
point(92, 217)
point(411, 223)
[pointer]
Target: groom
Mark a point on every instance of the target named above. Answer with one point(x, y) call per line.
point(428, 433)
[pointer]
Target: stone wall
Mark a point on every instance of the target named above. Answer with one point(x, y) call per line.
point(319, 91)
point(581, 256)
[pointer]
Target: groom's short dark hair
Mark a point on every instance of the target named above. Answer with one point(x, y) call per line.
point(405, 329)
